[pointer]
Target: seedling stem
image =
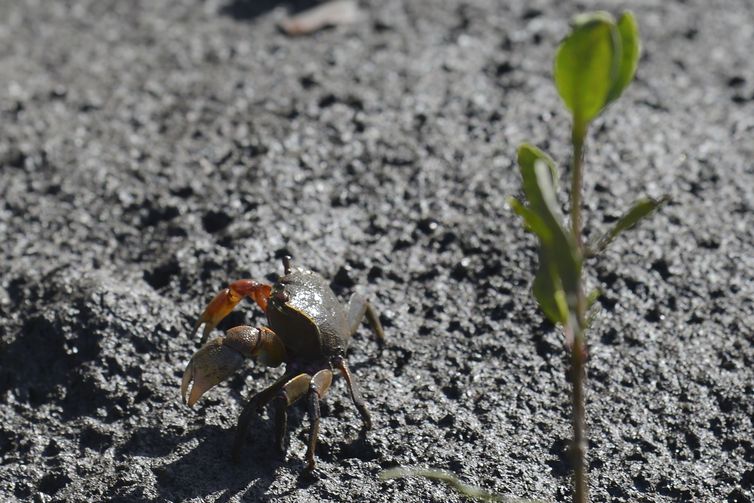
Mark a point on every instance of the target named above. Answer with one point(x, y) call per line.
point(578, 350)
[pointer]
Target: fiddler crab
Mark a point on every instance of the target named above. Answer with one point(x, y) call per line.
point(309, 331)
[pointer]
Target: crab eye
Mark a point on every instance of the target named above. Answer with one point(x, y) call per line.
point(281, 295)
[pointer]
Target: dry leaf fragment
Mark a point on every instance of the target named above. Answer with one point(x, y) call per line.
point(333, 13)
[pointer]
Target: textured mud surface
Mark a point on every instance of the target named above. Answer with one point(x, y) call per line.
point(150, 152)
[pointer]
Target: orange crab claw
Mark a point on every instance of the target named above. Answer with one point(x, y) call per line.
point(227, 299)
point(259, 292)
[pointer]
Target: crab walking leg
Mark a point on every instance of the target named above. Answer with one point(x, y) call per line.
point(319, 385)
point(218, 359)
point(252, 409)
point(289, 394)
point(341, 365)
point(227, 299)
point(358, 307)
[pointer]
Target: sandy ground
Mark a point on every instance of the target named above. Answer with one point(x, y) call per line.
point(153, 151)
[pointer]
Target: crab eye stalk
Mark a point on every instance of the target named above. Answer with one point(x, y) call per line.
point(287, 264)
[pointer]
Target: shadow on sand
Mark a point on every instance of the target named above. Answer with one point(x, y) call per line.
point(246, 10)
point(207, 469)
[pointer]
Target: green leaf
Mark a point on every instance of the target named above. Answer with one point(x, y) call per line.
point(548, 290)
point(531, 220)
point(638, 211)
point(532, 161)
point(450, 479)
point(593, 307)
point(630, 45)
point(592, 297)
point(586, 66)
point(556, 285)
point(528, 155)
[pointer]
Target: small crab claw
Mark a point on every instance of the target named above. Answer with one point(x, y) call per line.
point(218, 359)
point(227, 299)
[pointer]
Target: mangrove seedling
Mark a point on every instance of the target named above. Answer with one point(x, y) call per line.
point(593, 65)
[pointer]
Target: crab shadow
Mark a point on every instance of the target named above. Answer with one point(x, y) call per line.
point(207, 469)
point(247, 10)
